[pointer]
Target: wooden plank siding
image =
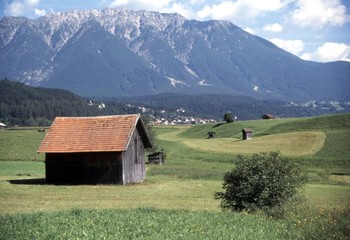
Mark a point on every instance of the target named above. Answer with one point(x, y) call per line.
point(84, 168)
point(134, 169)
point(98, 167)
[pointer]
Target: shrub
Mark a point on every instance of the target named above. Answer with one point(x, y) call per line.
point(228, 117)
point(263, 181)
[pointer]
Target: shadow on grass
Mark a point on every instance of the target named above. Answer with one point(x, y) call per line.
point(33, 181)
point(218, 125)
point(42, 181)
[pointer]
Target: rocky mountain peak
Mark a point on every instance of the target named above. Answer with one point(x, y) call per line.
point(113, 52)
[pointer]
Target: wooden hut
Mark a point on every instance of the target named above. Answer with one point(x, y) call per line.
point(156, 158)
point(247, 133)
point(267, 116)
point(96, 150)
point(2, 126)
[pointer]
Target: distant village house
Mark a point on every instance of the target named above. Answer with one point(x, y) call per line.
point(96, 150)
point(267, 116)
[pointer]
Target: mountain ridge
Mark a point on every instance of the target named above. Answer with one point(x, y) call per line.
point(118, 52)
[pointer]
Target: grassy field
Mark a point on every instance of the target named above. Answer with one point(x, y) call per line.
point(289, 144)
point(176, 201)
point(21, 145)
point(150, 223)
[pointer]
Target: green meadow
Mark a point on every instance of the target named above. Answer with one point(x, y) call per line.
point(177, 199)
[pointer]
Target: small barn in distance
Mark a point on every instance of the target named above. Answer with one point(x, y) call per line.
point(156, 158)
point(267, 116)
point(2, 126)
point(247, 133)
point(96, 150)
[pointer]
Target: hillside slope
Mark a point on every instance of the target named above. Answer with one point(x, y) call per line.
point(320, 140)
point(273, 126)
point(28, 106)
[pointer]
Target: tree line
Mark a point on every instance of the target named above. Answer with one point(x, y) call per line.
point(215, 105)
point(30, 106)
point(34, 106)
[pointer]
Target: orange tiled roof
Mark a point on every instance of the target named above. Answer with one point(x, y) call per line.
point(89, 134)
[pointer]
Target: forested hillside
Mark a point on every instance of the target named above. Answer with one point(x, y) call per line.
point(35, 106)
point(245, 108)
point(28, 106)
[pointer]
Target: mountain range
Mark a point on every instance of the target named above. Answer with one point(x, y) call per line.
point(118, 52)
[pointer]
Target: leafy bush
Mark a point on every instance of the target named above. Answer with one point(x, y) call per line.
point(264, 181)
point(228, 117)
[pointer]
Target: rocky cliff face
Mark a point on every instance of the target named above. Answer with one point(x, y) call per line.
point(116, 52)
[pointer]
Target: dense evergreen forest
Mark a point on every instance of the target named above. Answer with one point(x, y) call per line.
point(29, 106)
point(245, 108)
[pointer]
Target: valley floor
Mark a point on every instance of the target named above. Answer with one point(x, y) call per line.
point(182, 190)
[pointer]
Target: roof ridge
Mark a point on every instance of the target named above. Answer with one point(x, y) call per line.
point(104, 116)
point(133, 129)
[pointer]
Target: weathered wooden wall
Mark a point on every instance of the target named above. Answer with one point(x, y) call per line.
point(134, 161)
point(84, 168)
point(247, 135)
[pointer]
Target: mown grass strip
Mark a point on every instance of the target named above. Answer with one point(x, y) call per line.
point(289, 144)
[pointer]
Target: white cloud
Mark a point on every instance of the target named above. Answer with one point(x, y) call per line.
point(276, 27)
point(141, 4)
point(15, 8)
point(194, 2)
point(119, 3)
point(329, 52)
point(39, 12)
point(319, 13)
point(168, 6)
point(223, 10)
point(250, 30)
point(23, 8)
point(240, 9)
point(293, 46)
point(182, 9)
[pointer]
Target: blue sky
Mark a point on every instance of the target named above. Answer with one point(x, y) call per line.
point(317, 30)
